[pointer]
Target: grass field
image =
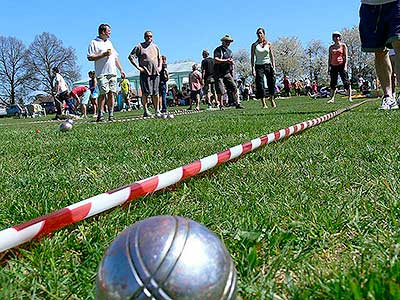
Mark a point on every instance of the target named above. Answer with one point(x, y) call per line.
point(315, 216)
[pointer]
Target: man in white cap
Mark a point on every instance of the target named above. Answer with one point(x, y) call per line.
point(223, 71)
point(380, 30)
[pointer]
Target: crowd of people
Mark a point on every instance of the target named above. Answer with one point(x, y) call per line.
point(214, 80)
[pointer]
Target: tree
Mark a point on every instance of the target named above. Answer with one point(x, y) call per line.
point(46, 52)
point(289, 54)
point(242, 64)
point(316, 60)
point(14, 74)
point(359, 62)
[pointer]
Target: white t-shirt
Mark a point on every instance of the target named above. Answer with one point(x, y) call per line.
point(105, 65)
point(62, 85)
point(376, 2)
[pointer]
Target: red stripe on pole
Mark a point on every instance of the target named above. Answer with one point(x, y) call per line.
point(64, 218)
point(247, 147)
point(191, 169)
point(264, 140)
point(224, 156)
point(287, 132)
point(143, 188)
point(277, 135)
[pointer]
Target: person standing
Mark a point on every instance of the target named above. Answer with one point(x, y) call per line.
point(94, 90)
point(106, 62)
point(61, 91)
point(207, 70)
point(149, 65)
point(164, 76)
point(195, 83)
point(125, 88)
point(286, 86)
point(380, 29)
point(263, 64)
point(337, 65)
point(223, 72)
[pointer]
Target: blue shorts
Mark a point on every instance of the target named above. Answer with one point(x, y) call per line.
point(379, 26)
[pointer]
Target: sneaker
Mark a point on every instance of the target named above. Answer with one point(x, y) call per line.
point(56, 118)
point(238, 106)
point(331, 101)
point(146, 114)
point(158, 114)
point(388, 103)
point(100, 119)
point(111, 118)
point(221, 107)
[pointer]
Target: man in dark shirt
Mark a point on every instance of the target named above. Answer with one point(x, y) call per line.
point(223, 71)
point(207, 69)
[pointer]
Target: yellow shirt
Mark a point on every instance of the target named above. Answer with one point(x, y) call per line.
point(125, 86)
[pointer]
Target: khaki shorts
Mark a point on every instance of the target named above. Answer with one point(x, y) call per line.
point(107, 83)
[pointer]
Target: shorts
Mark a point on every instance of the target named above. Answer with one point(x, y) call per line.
point(209, 85)
point(85, 97)
point(107, 83)
point(335, 72)
point(149, 84)
point(224, 83)
point(379, 26)
point(193, 94)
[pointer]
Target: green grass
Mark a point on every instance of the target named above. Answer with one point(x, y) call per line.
point(315, 216)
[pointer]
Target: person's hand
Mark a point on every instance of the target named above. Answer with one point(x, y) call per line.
point(230, 61)
point(123, 74)
point(141, 69)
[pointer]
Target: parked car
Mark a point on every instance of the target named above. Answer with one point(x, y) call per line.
point(49, 107)
point(15, 110)
point(3, 112)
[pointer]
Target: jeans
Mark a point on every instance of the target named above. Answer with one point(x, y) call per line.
point(163, 93)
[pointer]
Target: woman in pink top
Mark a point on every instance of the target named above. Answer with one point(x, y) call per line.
point(195, 83)
point(337, 65)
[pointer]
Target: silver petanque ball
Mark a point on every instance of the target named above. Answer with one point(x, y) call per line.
point(166, 258)
point(66, 126)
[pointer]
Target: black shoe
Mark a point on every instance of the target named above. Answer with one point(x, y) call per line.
point(111, 118)
point(56, 118)
point(100, 119)
point(238, 106)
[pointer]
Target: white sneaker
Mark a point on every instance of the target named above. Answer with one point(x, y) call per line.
point(158, 114)
point(388, 103)
point(331, 100)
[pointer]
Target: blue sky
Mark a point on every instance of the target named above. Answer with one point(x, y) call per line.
point(180, 28)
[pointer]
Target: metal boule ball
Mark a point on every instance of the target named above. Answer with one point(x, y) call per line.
point(65, 126)
point(166, 258)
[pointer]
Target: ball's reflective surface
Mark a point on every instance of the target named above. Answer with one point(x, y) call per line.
point(166, 258)
point(65, 126)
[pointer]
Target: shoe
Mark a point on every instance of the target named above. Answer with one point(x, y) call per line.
point(158, 114)
point(163, 111)
point(56, 118)
point(238, 106)
point(146, 114)
point(350, 99)
point(221, 107)
point(111, 118)
point(388, 103)
point(331, 101)
point(100, 119)
point(209, 107)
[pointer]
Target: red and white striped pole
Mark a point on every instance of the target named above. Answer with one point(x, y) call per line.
point(19, 234)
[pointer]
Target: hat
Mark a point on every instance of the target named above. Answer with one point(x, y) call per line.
point(227, 38)
point(336, 33)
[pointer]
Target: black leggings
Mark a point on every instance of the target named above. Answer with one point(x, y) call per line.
point(269, 73)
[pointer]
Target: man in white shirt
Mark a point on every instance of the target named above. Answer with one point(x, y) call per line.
point(106, 62)
point(61, 90)
point(380, 30)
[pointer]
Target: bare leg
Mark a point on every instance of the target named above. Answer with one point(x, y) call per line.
point(384, 71)
point(396, 46)
point(332, 96)
point(156, 103)
point(144, 103)
point(271, 99)
point(110, 104)
point(101, 101)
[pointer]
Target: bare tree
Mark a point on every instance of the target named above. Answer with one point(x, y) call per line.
point(242, 64)
point(46, 52)
point(316, 60)
point(359, 62)
point(14, 75)
point(289, 54)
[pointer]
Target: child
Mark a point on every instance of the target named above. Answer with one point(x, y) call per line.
point(195, 83)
